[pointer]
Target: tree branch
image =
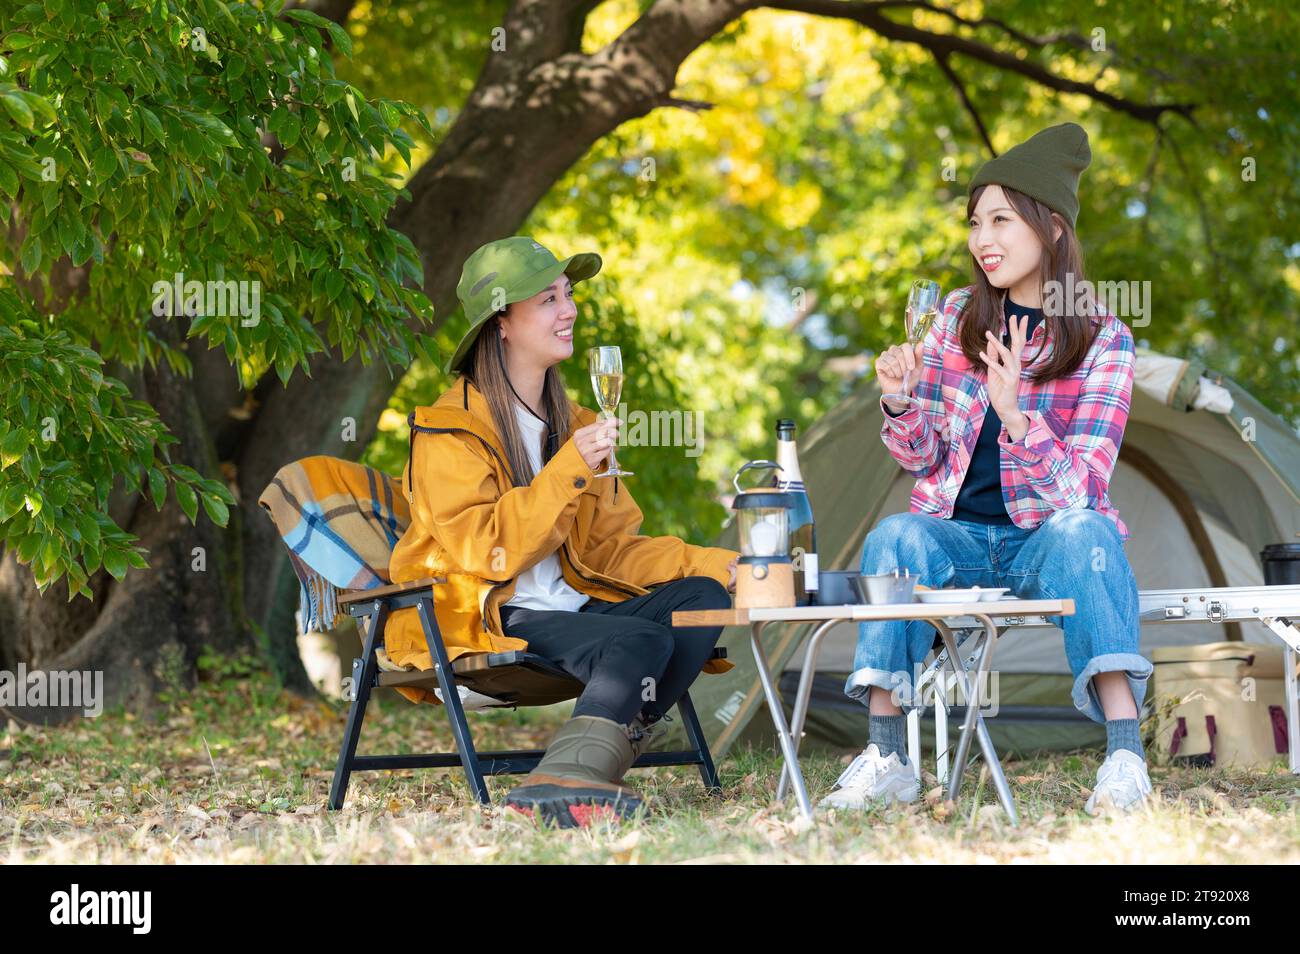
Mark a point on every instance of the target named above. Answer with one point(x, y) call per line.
point(1037, 42)
point(942, 60)
point(1203, 211)
point(578, 24)
point(871, 16)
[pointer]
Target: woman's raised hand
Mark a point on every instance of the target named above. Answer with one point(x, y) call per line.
point(1003, 366)
point(595, 440)
point(893, 362)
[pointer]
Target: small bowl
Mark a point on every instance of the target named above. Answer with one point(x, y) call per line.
point(888, 588)
point(837, 588)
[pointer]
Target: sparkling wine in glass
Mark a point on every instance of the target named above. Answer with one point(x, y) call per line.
point(606, 367)
point(922, 310)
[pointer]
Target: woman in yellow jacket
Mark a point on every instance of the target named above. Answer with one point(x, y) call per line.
point(539, 552)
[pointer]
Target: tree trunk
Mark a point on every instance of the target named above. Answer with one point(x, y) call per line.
point(145, 632)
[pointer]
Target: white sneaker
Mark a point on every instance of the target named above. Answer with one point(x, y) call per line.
point(1122, 784)
point(871, 778)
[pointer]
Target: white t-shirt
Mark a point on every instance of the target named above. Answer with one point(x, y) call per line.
point(541, 586)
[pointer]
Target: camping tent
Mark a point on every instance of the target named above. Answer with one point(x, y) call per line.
point(1206, 478)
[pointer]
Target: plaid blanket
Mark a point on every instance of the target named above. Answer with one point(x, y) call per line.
point(340, 521)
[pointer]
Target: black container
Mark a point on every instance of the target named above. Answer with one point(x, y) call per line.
point(837, 588)
point(1281, 564)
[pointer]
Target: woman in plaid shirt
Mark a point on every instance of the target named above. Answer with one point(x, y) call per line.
point(1012, 441)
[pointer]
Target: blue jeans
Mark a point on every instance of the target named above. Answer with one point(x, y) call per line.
point(1073, 554)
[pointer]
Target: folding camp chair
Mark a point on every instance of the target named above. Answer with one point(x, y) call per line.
point(516, 678)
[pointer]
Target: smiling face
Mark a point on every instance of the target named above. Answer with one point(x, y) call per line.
point(539, 330)
point(1003, 244)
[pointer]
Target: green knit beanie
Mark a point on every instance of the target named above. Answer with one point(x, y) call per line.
point(1045, 167)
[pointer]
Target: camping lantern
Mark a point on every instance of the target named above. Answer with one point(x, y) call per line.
point(764, 572)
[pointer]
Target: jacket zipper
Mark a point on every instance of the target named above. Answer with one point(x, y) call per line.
point(607, 581)
point(453, 430)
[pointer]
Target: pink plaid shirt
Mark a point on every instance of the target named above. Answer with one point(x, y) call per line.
point(1076, 424)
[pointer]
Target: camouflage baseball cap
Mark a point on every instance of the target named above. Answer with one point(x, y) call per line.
point(505, 271)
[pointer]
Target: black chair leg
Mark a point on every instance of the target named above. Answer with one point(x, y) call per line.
point(362, 681)
point(451, 699)
point(695, 735)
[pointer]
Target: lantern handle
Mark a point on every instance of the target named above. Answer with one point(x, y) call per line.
point(755, 465)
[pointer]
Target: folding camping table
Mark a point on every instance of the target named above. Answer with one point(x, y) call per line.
point(1276, 607)
point(937, 614)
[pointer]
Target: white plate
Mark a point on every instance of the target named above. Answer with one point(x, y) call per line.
point(969, 595)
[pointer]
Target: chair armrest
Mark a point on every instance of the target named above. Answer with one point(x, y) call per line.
point(348, 597)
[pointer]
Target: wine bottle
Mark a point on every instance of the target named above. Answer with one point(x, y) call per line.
point(803, 531)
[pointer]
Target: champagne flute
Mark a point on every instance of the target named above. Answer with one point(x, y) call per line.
point(606, 367)
point(922, 309)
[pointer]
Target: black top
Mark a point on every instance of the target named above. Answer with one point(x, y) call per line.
point(980, 498)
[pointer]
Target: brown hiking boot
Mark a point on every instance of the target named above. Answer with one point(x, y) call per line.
point(580, 778)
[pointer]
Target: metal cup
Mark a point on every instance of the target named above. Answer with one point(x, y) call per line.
point(888, 588)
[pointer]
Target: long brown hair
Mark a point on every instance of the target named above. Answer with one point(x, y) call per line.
point(487, 370)
point(1072, 333)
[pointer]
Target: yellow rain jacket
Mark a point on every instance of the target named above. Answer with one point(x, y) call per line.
point(470, 524)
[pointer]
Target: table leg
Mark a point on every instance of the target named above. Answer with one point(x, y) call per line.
point(804, 696)
point(974, 722)
point(941, 754)
point(941, 757)
point(914, 740)
point(778, 720)
point(1292, 716)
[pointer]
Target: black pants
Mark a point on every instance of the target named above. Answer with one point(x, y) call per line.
point(627, 654)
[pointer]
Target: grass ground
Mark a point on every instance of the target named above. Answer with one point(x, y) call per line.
point(239, 772)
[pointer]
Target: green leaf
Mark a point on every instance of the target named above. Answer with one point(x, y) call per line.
point(290, 129)
point(105, 163)
point(157, 487)
point(115, 563)
point(11, 503)
point(39, 104)
point(217, 510)
point(188, 500)
point(152, 125)
point(17, 107)
point(333, 283)
point(89, 528)
point(336, 32)
point(12, 447)
point(31, 254)
point(28, 547)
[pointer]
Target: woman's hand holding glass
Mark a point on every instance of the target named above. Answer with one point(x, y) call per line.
point(595, 441)
point(895, 369)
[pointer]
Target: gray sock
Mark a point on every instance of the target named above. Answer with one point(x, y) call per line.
point(887, 731)
point(1123, 734)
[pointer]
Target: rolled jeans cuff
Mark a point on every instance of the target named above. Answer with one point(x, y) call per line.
point(1137, 667)
point(862, 681)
